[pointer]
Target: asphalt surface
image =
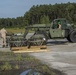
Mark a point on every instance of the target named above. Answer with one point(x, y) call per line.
point(61, 56)
point(5, 49)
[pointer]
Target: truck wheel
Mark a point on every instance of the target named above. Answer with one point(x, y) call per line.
point(73, 36)
point(68, 38)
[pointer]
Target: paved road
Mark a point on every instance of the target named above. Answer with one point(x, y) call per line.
point(5, 49)
point(61, 56)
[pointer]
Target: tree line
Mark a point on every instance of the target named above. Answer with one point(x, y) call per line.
point(42, 14)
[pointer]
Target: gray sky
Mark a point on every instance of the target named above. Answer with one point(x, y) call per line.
point(16, 8)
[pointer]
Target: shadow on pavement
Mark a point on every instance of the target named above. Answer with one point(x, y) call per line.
point(57, 42)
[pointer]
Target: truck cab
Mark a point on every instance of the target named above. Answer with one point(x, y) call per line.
point(66, 30)
point(63, 22)
point(57, 29)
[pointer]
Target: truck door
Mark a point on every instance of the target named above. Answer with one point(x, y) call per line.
point(55, 31)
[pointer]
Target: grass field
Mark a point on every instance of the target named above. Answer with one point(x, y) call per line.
point(14, 64)
point(15, 30)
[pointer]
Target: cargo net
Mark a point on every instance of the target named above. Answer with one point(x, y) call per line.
point(37, 40)
point(17, 41)
point(20, 41)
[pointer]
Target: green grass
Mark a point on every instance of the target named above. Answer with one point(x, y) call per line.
point(15, 30)
point(17, 63)
point(6, 66)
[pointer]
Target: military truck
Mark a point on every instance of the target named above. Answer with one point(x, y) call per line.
point(66, 31)
point(41, 33)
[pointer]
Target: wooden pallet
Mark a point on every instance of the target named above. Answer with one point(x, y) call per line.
point(32, 49)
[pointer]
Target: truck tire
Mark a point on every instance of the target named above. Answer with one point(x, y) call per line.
point(68, 38)
point(73, 36)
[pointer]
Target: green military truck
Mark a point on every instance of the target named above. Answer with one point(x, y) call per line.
point(66, 31)
point(59, 28)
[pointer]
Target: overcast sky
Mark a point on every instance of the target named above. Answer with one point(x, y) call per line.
point(17, 8)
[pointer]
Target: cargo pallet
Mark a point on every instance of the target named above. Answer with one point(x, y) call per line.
point(31, 49)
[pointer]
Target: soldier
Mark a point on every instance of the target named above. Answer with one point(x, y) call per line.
point(3, 35)
point(59, 24)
